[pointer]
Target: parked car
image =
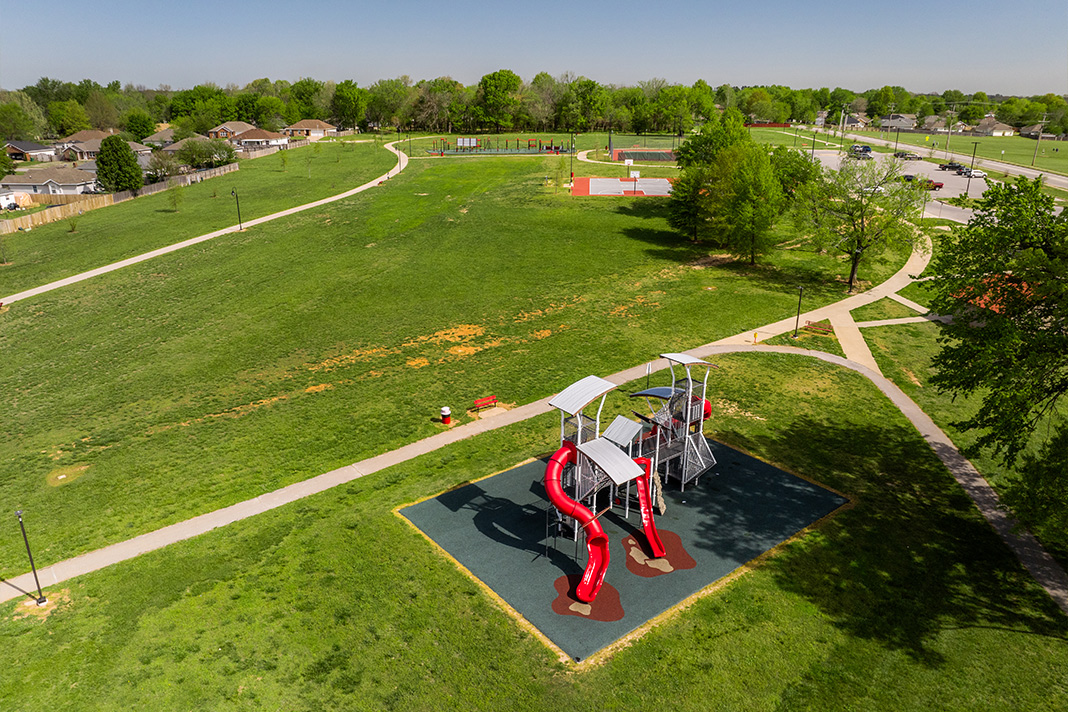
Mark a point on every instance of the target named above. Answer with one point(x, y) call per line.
point(908, 177)
point(860, 156)
point(976, 173)
point(951, 166)
point(929, 184)
point(908, 156)
point(857, 148)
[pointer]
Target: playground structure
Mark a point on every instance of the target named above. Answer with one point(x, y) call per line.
point(589, 463)
point(676, 439)
point(492, 146)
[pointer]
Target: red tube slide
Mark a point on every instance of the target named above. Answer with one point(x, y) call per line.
point(645, 501)
point(596, 539)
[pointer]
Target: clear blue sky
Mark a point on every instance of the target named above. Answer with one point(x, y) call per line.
point(996, 47)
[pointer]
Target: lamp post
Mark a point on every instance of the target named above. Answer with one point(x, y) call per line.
point(1038, 140)
point(240, 227)
point(41, 600)
point(967, 191)
point(800, 292)
point(572, 147)
point(896, 140)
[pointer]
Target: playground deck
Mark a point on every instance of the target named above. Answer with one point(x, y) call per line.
point(495, 528)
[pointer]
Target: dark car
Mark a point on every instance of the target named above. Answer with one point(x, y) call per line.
point(951, 166)
point(861, 156)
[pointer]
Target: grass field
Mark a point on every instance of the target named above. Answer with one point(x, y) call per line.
point(904, 601)
point(229, 369)
point(220, 372)
point(51, 252)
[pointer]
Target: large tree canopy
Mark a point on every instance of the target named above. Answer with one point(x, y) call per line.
point(859, 209)
point(1004, 277)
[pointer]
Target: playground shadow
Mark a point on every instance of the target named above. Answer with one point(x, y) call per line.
point(914, 557)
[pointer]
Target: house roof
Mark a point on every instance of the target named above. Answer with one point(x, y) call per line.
point(992, 124)
point(177, 145)
point(311, 124)
point(235, 126)
point(61, 175)
point(93, 146)
point(27, 146)
point(258, 134)
point(164, 136)
point(88, 135)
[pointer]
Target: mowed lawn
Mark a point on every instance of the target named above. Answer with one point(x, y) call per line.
point(907, 601)
point(264, 186)
point(237, 366)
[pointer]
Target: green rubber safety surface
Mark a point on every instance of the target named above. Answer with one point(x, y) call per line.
point(497, 529)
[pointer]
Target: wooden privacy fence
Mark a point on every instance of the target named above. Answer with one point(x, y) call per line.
point(70, 205)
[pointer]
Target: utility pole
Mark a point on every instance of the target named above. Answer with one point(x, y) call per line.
point(1038, 140)
point(967, 191)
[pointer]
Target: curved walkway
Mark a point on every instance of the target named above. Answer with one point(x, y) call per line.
point(402, 162)
point(1028, 550)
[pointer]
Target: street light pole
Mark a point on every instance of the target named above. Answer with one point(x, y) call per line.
point(41, 600)
point(800, 292)
point(240, 227)
point(572, 147)
point(1038, 140)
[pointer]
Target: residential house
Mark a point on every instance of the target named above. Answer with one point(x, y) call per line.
point(81, 137)
point(29, 151)
point(898, 121)
point(990, 126)
point(160, 138)
point(1034, 131)
point(174, 148)
point(90, 166)
point(58, 180)
point(88, 150)
point(311, 129)
point(855, 122)
point(259, 138)
point(230, 129)
point(821, 117)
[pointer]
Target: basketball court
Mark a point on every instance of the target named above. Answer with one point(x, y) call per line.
point(659, 187)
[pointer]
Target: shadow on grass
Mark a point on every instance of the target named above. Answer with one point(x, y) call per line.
point(913, 557)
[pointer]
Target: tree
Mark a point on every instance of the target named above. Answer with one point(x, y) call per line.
point(67, 117)
point(859, 209)
point(116, 166)
point(794, 169)
point(1003, 277)
point(14, 123)
point(7, 165)
point(349, 106)
point(497, 97)
point(161, 166)
point(689, 207)
point(101, 111)
point(716, 135)
point(746, 198)
point(138, 124)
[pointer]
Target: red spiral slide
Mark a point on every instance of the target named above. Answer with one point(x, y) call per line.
point(596, 539)
point(646, 504)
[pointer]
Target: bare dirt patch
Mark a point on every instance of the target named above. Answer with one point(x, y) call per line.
point(730, 408)
point(418, 362)
point(319, 388)
point(712, 261)
point(30, 609)
point(65, 475)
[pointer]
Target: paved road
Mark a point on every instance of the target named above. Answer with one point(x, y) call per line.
point(1054, 179)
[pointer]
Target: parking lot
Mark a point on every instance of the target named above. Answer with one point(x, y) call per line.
point(954, 184)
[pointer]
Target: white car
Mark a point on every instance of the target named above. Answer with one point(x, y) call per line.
point(976, 173)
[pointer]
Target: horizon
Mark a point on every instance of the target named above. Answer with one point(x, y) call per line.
point(838, 45)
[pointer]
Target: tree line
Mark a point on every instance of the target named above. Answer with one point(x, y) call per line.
point(501, 100)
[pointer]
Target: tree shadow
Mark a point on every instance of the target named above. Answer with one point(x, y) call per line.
point(914, 557)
